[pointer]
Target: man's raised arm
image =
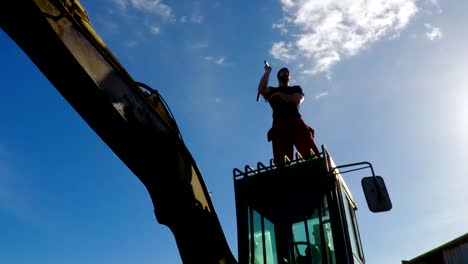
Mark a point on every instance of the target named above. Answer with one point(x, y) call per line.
point(263, 85)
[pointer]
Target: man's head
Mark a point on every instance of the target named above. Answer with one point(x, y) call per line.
point(283, 76)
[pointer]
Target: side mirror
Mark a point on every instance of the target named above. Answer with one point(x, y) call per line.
point(376, 194)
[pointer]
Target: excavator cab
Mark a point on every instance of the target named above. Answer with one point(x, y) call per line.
point(302, 212)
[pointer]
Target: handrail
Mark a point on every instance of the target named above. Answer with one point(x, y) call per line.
point(250, 171)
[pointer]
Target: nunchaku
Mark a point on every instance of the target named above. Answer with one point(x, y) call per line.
point(268, 65)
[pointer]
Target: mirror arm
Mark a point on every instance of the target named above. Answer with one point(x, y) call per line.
point(369, 165)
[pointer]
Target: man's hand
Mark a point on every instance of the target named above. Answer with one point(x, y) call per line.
point(273, 95)
point(267, 68)
point(295, 98)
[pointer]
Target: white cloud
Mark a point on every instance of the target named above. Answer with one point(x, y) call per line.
point(122, 4)
point(154, 30)
point(218, 61)
point(281, 27)
point(325, 31)
point(131, 44)
point(283, 51)
point(109, 26)
point(435, 3)
point(153, 6)
point(318, 96)
point(433, 33)
point(196, 19)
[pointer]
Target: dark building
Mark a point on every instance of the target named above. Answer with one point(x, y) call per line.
point(453, 252)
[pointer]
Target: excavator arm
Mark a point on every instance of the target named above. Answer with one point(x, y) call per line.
point(131, 118)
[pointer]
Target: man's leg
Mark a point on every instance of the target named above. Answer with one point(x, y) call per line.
point(282, 148)
point(282, 143)
point(304, 139)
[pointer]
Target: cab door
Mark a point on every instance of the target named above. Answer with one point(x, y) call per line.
point(352, 239)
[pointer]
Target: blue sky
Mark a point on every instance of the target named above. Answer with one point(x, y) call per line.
point(385, 82)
